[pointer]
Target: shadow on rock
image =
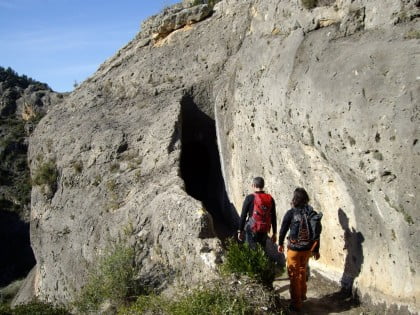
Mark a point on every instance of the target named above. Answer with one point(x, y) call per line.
point(272, 252)
point(16, 258)
point(201, 168)
point(331, 303)
point(354, 259)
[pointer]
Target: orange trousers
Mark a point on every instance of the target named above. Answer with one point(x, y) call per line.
point(296, 268)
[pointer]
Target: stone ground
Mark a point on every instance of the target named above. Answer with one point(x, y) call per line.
point(323, 297)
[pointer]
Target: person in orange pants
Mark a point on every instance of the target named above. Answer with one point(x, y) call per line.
point(300, 245)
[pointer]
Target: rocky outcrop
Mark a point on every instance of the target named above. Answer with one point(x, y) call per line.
point(324, 98)
point(173, 18)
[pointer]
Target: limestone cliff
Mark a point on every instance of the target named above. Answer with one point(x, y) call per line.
point(318, 94)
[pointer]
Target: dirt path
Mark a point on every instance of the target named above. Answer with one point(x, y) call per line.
point(323, 297)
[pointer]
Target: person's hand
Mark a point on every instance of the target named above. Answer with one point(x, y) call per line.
point(280, 249)
point(274, 238)
point(316, 256)
point(241, 235)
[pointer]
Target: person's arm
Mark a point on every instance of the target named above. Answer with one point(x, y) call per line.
point(245, 211)
point(274, 222)
point(315, 250)
point(244, 214)
point(285, 225)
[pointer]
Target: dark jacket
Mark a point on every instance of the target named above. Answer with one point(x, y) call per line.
point(248, 208)
point(291, 222)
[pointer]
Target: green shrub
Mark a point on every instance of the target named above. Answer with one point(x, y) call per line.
point(212, 301)
point(111, 280)
point(242, 259)
point(46, 174)
point(149, 304)
point(309, 4)
point(34, 308)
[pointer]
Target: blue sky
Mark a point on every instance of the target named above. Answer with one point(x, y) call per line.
point(60, 42)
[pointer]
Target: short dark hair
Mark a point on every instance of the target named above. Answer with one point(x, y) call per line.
point(300, 198)
point(258, 182)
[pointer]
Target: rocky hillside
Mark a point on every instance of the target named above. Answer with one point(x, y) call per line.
point(320, 94)
point(23, 101)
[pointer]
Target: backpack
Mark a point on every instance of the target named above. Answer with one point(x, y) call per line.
point(261, 215)
point(314, 219)
point(306, 228)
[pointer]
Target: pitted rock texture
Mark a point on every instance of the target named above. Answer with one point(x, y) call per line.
point(325, 98)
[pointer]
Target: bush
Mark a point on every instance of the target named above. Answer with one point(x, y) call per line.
point(111, 280)
point(211, 301)
point(46, 174)
point(34, 308)
point(242, 259)
point(215, 300)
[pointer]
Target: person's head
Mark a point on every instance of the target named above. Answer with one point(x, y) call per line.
point(258, 183)
point(300, 198)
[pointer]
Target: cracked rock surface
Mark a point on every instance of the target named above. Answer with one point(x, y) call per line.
point(325, 98)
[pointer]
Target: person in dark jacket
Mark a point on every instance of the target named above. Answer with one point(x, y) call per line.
point(300, 246)
point(245, 227)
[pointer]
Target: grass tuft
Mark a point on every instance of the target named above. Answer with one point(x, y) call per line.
point(46, 174)
point(34, 308)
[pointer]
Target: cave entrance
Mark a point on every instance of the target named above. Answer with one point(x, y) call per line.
point(17, 257)
point(201, 169)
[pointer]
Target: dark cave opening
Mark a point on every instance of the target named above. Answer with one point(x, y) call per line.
point(17, 257)
point(201, 168)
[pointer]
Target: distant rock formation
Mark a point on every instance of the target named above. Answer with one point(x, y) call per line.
point(322, 95)
point(23, 101)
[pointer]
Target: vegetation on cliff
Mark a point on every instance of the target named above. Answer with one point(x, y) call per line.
point(15, 185)
point(112, 285)
point(11, 79)
point(23, 102)
point(241, 259)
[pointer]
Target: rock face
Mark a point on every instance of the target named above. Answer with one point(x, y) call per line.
point(324, 98)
